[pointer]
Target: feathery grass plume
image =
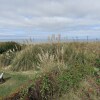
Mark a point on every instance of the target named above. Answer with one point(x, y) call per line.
point(46, 61)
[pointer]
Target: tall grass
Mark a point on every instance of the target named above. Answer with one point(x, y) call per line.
point(62, 66)
point(26, 59)
point(7, 52)
point(6, 58)
point(67, 53)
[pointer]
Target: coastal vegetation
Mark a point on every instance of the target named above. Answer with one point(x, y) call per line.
point(50, 71)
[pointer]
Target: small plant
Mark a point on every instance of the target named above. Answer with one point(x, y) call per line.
point(97, 62)
point(45, 88)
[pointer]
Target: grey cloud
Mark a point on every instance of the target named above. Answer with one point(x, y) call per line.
point(49, 14)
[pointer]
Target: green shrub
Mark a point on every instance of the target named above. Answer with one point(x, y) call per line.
point(97, 62)
point(5, 46)
point(71, 77)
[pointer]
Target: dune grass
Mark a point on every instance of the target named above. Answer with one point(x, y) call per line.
point(60, 67)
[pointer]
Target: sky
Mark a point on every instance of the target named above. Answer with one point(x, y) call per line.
point(21, 19)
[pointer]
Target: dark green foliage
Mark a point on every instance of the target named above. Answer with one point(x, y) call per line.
point(5, 46)
point(97, 62)
point(71, 77)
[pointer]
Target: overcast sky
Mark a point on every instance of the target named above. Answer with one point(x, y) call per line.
point(40, 18)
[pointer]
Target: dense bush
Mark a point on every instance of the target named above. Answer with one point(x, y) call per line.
point(5, 46)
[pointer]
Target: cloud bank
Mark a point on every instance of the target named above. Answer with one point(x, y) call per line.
point(44, 17)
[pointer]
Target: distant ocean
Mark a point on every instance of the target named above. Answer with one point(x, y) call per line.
point(46, 40)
